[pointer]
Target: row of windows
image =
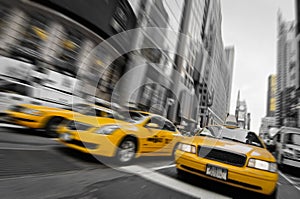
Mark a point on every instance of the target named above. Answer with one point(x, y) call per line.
point(59, 43)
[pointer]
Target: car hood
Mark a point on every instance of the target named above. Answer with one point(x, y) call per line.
point(98, 121)
point(231, 146)
point(50, 109)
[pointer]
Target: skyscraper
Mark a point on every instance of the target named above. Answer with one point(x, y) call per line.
point(241, 113)
point(298, 56)
point(268, 121)
point(229, 52)
point(286, 99)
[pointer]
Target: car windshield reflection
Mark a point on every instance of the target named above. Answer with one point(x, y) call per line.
point(236, 135)
point(131, 116)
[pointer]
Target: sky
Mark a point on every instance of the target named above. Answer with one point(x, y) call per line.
point(251, 27)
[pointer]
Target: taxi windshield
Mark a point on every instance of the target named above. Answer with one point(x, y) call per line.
point(131, 116)
point(236, 135)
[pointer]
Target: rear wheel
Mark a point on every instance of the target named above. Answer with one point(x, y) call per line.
point(52, 125)
point(126, 151)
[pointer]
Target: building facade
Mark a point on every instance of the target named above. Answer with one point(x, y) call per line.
point(179, 76)
point(271, 96)
point(266, 124)
point(60, 35)
point(175, 70)
point(286, 95)
point(269, 121)
point(297, 5)
point(229, 52)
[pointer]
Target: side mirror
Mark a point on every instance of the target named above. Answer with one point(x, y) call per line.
point(152, 126)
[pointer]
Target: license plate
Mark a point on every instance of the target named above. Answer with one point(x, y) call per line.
point(216, 172)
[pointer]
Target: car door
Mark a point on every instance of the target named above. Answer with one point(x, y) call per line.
point(168, 135)
point(154, 141)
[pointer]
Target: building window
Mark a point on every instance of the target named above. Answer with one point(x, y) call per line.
point(70, 43)
point(33, 37)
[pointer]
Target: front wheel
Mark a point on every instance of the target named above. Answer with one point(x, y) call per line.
point(273, 195)
point(52, 125)
point(126, 151)
point(181, 174)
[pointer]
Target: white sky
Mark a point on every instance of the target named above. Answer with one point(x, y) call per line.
point(251, 26)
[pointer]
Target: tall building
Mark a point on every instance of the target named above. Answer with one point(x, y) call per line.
point(179, 75)
point(271, 96)
point(217, 69)
point(286, 95)
point(269, 121)
point(148, 82)
point(241, 113)
point(297, 5)
point(229, 52)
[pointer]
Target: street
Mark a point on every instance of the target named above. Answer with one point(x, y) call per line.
point(34, 165)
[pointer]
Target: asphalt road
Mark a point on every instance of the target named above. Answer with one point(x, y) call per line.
point(33, 165)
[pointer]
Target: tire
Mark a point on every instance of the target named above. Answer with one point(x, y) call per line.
point(126, 151)
point(273, 195)
point(51, 126)
point(181, 174)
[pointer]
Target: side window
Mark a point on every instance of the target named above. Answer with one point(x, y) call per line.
point(158, 121)
point(169, 126)
point(101, 113)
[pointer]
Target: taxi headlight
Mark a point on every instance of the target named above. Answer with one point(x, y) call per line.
point(187, 148)
point(107, 130)
point(31, 112)
point(262, 165)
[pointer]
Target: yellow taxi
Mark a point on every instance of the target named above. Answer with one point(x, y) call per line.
point(134, 134)
point(48, 118)
point(232, 156)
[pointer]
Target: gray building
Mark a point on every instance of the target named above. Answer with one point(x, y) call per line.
point(229, 52)
point(148, 81)
point(297, 5)
point(286, 96)
point(217, 67)
point(179, 76)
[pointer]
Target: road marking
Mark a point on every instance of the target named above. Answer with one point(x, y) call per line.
point(163, 167)
point(290, 181)
point(25, 149)
point(171, 183)
point(11, 126)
